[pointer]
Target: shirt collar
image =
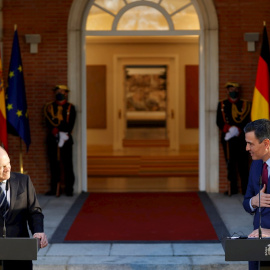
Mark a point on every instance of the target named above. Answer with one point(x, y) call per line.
point(268, 162)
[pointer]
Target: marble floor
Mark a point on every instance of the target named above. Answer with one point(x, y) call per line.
point(113, 183)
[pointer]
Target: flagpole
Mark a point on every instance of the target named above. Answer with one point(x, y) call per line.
point(21, 158)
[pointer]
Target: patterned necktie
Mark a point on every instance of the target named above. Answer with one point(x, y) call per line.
point(4, 207)
point(265, 174)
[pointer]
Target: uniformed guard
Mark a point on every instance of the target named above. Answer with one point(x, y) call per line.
point(233, 114)
point(60, 118)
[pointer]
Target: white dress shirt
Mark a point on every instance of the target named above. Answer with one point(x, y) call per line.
point(3, 186)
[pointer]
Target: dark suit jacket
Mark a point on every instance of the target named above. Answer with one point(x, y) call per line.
point(252, 190)
point(24, 208)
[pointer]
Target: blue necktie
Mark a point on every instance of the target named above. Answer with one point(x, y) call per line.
point(4, 207)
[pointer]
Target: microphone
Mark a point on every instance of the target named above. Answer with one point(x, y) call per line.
point(4, 228)
point(260, 212)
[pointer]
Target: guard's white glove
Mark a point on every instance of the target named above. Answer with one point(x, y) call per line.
point(233, 132)
point(63, 136)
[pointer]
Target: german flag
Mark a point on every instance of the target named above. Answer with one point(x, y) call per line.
point(260, 102)
point(3, 117)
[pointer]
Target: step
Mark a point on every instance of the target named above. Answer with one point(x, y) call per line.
point(136, 165)
point(139, 262)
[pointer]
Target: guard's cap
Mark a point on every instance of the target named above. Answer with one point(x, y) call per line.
point(232, 84)
point(61, 86)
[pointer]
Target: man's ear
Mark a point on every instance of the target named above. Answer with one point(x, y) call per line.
point(267, 143)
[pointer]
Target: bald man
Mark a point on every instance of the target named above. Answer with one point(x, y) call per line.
point(22, 209)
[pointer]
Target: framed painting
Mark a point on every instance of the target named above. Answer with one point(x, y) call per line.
point(146, 93)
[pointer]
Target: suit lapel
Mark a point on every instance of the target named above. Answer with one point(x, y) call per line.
point(13, 192)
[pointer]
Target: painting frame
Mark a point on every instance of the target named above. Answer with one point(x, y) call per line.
point(146, 92)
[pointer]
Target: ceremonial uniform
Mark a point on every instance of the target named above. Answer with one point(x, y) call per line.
point(60, 118)
point(232, 117)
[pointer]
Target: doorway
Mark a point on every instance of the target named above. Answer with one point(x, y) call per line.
point(141, 167)
point(208, 80)
point(164, 122)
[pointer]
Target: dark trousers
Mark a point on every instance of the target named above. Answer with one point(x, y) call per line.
point(60, 160)
point(237, 159)
point(255, 265)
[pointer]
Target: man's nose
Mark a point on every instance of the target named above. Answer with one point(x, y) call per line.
point(7, 168)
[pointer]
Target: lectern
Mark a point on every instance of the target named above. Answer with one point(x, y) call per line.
point(19, 248)
point(251, 249)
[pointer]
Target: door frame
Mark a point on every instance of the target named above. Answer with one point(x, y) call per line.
point(119, 122)
point(208, 92)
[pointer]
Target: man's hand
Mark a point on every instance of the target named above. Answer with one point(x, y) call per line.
point(43, 239)
point(265, 199)
point(255, 233)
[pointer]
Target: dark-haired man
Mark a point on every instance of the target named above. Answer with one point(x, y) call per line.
point(257, 134)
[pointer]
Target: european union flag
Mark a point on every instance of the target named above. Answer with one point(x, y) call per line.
point(17, 114)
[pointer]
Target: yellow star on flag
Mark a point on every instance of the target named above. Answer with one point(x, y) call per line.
point(9, 107)
point(11, 74)
point(19, 113)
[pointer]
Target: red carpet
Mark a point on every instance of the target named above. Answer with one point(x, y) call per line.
point(142, 217)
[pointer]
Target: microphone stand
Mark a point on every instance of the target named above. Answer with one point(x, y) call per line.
point(4, 227)
point(260, 212)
